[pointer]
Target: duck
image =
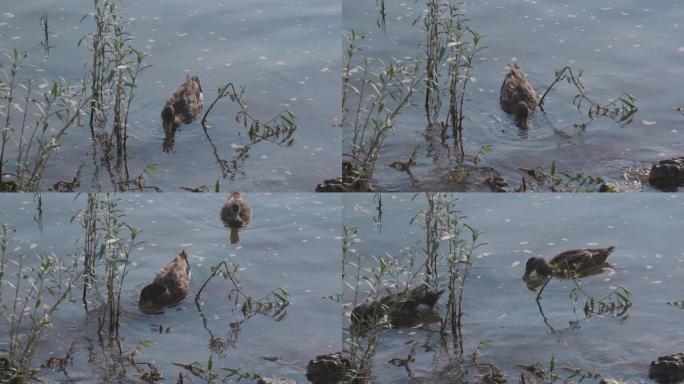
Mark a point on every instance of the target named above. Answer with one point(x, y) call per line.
point(170, 286)
point(518, 97)
point(572, 262)
point(236, 212)
point(403, 308)
point(184, 105)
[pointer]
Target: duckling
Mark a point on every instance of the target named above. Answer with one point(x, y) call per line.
point(518, 97)
point(169, 287)
point(403, 309)
point(182, 107)
point(236, 213)
point(575, 261)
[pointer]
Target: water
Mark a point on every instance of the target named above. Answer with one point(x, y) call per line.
point(292, 242)
point(286, 55)
point(622, 46)
point(649, 261)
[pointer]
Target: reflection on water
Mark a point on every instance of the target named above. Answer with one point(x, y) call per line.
point(611, 336)
point(292, 242)
point(620, 46)
point(285, 55)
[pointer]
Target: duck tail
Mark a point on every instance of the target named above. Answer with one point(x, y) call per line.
point(610, 249)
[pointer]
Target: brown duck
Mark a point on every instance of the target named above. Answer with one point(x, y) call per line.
point(403, 308)
point(518, 97)
point(236, 213)
point(169, 287)
point(182, 107)
point(575, 261)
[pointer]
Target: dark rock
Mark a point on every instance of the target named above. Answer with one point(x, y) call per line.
point(331, 185)
point(327, 369)
point(668, 369)
point(667, 173)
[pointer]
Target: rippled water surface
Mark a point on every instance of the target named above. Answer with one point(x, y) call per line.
point(286, 54)
point(621, 45)
point(292, 242)
point(649, 261)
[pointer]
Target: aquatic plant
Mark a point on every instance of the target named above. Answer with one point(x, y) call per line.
point(616, 303)
point(552, 373)
point(622, 109)
point(379, 95)
point(45, 43)
point(209, 375)
point(108, 241)
point(39, 285)
point(278, 130)
point(382, 14)
point(115, 67)
point(452, 45)
point(445, 230)
point(36, 124)
point(273, 304)
point(362, 340)
point(557, 180)
point(448, 246)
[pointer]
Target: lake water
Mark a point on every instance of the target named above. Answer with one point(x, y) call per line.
point(292, 242)
point(285, 54)
point(622, 46)
point(649, 261)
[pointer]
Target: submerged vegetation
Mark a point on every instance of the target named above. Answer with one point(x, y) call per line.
point(445, 63)
point(34, 287)
point(391, 292)
point(371, 108)
point(394, 331)
point(37, 114)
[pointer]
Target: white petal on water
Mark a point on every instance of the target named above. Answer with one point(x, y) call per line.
point(646, 122)
point(515, 264)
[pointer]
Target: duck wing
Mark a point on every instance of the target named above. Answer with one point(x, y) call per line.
point(578, 259)
point(175, 277)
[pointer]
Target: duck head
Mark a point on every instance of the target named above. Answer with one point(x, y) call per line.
point(537, 264)
point(522, 114)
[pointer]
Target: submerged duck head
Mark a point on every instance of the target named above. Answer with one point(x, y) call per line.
point(538, 265)
point(170, 119)
point(522, 115)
